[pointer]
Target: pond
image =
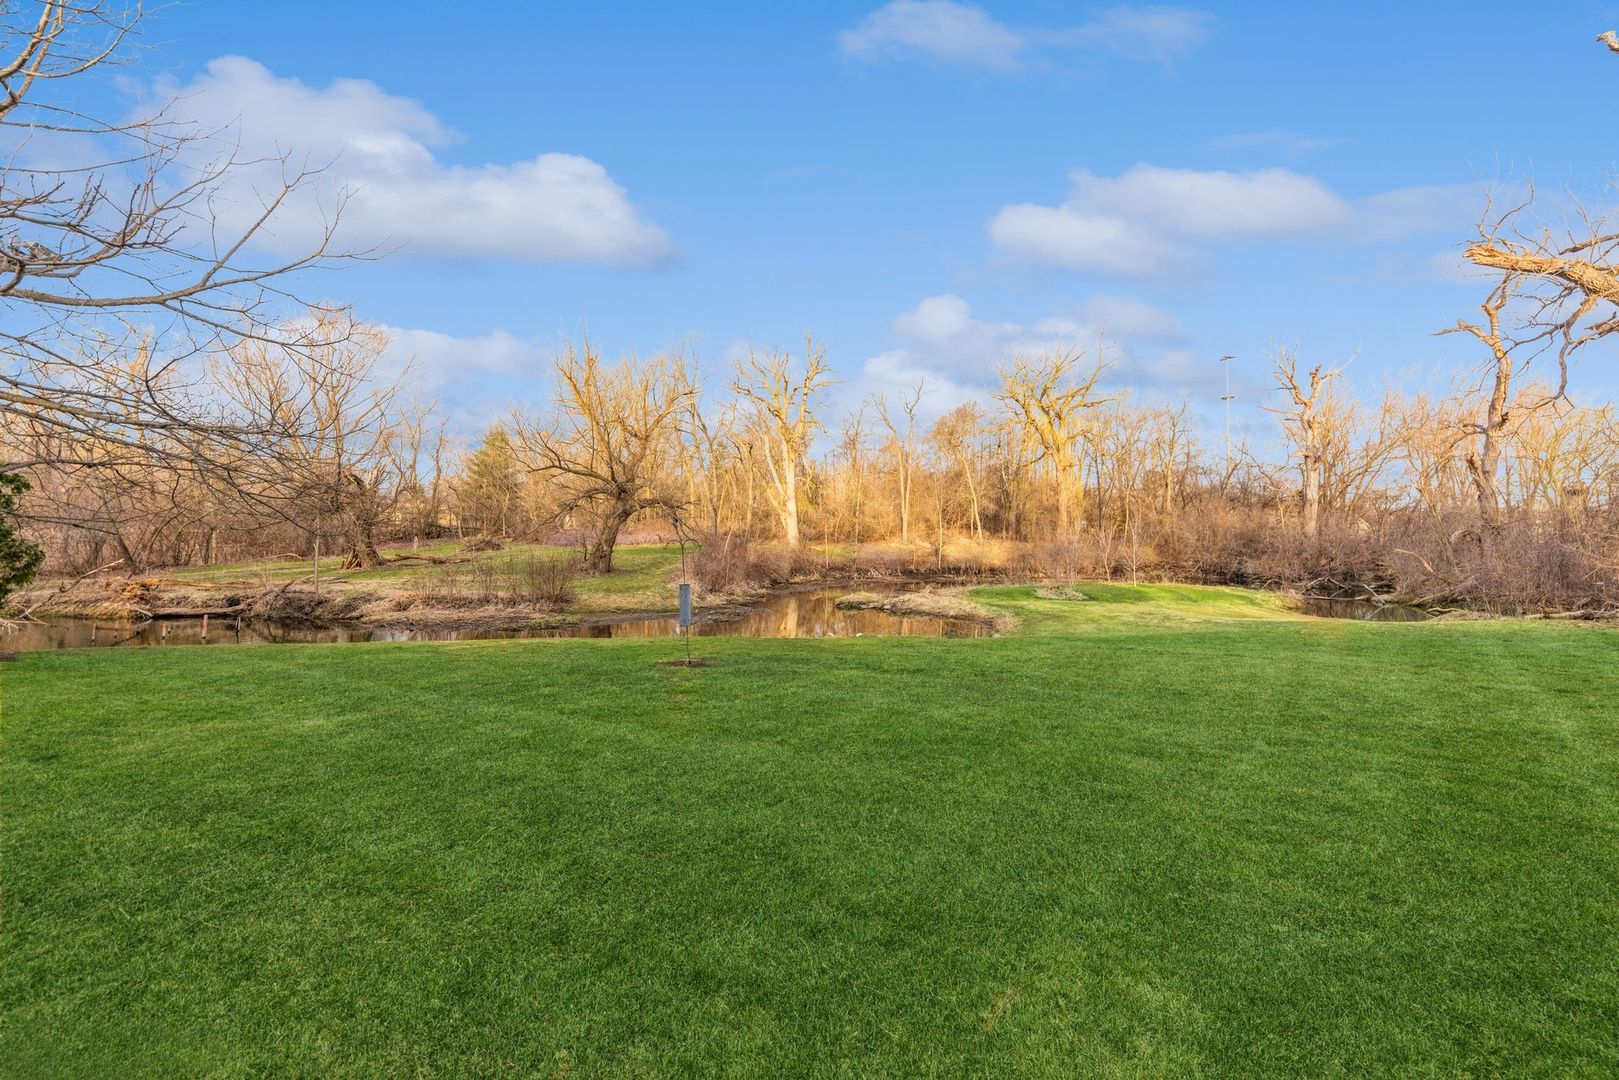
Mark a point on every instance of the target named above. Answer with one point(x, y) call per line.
point(806, 613)
point(1364, 610)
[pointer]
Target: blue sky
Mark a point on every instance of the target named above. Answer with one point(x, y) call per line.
point(925, 185)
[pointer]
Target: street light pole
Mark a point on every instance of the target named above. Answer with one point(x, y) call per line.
point(1227, 398)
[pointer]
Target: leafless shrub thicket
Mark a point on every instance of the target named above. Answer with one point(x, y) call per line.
point(546, 583)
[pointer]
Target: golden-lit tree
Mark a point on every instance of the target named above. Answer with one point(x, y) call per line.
point(782, 400)
point(956, 435)
point(902, 449)
point(611, 448)
point(1049, 394)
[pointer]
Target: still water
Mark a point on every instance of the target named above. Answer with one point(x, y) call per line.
point(1364, 610)
point(810, 613)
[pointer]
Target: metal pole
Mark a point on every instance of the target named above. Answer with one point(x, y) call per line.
point(1227, 398)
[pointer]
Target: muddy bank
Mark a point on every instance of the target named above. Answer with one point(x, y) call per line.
point(927, 604)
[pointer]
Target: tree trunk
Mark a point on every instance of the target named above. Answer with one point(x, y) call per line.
point(1312, 495)
point(133, 564)
point(972, 493)
point(362, 549)
point(789, 499)
point(904, 500)
point(1481, 469)
point(1064, 496)
point(362, 554)
point(1483, 466)
point(362, 513)
point(599, 559)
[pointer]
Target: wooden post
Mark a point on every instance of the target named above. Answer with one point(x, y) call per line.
point(205, 627)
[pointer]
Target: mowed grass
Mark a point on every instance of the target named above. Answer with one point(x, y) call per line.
point(1160, 833)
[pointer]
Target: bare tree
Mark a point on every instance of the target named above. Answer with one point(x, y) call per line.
point(338, 416)
point(784, 403)
point(956, 435)
point(101, 260)
point(1172, 446)
point(1484, 460)
point(1568, 274)
point(710, 455)
point(611, 448)
point(850, 451)
point(1304, 422)
point(904, 449)
point(1049, 394)
point(1576, 264)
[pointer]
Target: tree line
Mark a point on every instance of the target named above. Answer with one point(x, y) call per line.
point(167, 400)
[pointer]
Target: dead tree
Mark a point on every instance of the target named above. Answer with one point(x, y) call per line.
point(1568, 276)
point(1483, 458)
point(612, 445)
point(1303, 421)
point(1048, 395)
point(904, 449)
point(784, 402)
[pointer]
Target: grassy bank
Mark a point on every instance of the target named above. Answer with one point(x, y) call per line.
point(1164, 831)
point(435, 585)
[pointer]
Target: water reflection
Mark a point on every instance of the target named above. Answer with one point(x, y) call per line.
point(1364, 610)
point(806, 614)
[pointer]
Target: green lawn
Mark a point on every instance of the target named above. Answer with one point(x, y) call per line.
point(1163, 832)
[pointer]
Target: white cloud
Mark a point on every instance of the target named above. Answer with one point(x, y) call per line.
point(941, 335)
point(1148, 221)
point(1413, 210)
point(1156, 34)
point(1067, 236)
point(443, 358)
point(380, 148)
point(939, 340)
point(964, 35)
point(476, 380)
point(1131, 319)
point(938, 30)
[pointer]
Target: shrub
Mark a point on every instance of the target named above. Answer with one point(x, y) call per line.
point(729, 563)
point(548, 582)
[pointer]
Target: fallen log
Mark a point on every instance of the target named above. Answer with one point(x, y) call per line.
point(432, 560)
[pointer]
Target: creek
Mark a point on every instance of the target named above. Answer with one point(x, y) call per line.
point(805, 613)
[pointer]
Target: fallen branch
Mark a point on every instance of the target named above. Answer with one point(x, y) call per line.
point(435, 560)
